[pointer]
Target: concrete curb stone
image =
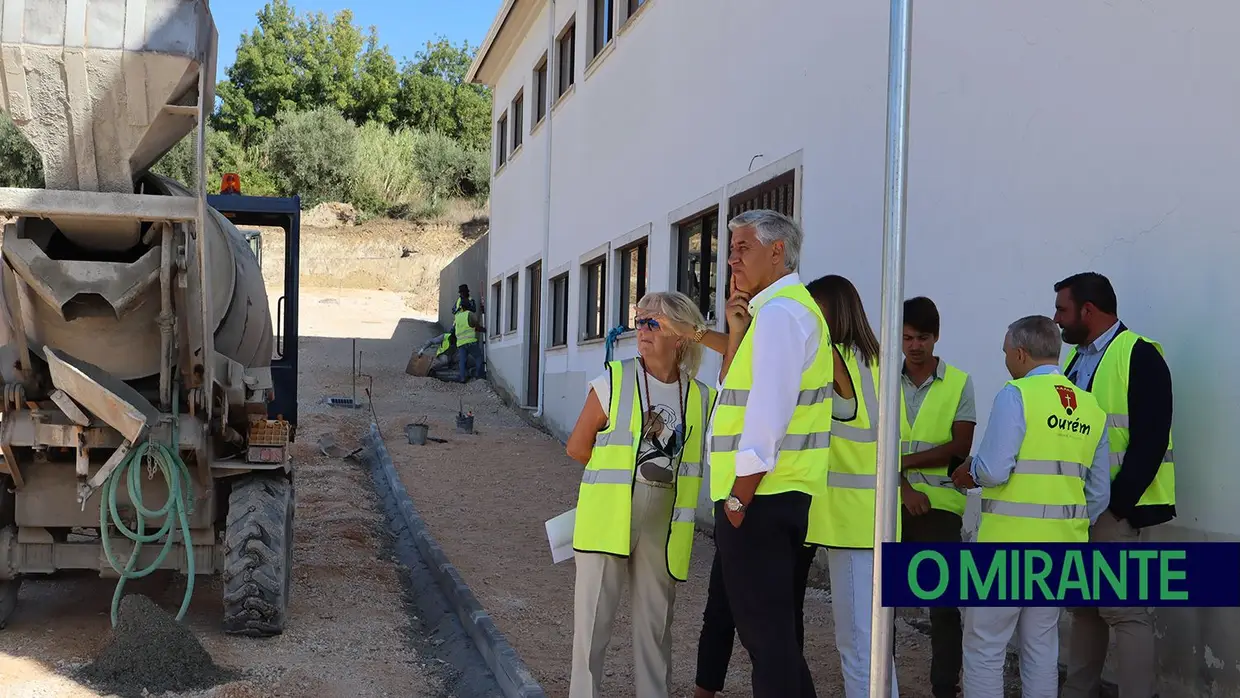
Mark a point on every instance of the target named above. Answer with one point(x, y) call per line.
point(514, 677)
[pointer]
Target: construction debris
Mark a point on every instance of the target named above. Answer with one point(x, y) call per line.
point(151, 653)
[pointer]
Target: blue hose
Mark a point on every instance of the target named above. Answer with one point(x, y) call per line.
point(612, 336)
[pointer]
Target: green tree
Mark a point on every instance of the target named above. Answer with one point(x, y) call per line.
point(313, 153)
point(434, 96)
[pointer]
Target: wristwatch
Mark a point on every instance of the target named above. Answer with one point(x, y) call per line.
point(699, 333)
point(734, 505)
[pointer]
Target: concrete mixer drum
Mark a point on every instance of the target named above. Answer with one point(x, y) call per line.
point(133, 312)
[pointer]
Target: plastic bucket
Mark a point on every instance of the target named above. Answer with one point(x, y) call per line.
point(416, 433)
point(465, 423)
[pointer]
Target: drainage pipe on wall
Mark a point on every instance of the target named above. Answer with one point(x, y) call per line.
point(544, 320)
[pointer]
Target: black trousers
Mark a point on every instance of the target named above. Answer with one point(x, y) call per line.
point(718, 629)
point(762, 586)
point(946, 633)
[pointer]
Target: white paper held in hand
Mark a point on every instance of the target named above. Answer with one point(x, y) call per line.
point(560, 536)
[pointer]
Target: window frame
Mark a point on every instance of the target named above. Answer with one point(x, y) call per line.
point(517, 109)
point(606, 10)
point(559, 310)
point(706, 289)
point(566, 76)
point(497, 303)
point(627, 10)
point(501, 141)
point(598, 313)
point(513, 282)
point(542, 97)
point(624, 261)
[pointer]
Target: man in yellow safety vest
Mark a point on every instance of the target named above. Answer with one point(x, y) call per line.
point(940, 413)
point(467, 348)
point(1130, 378)
point(1042, 466)
point(769, 446)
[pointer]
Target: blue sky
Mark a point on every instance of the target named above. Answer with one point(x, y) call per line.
point(404, 25)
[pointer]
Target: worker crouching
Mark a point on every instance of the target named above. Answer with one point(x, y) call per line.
point(640, 436)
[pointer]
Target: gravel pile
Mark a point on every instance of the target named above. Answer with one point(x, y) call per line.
point(151, 653)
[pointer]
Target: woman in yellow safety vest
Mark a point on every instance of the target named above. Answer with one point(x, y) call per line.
point(640, 436)
point(842, 521)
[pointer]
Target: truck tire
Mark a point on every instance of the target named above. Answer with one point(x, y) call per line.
point(258, 555)
point(8, 520)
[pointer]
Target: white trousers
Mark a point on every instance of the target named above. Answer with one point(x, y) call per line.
point(597, 593)
point(986, 635)
point(852, 604)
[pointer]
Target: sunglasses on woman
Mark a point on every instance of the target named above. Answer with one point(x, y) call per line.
point(648, 323)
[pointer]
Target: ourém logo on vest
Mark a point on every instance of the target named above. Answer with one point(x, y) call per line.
point(1067, 396)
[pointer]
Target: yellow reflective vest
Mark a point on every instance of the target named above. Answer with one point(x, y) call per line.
point(843, 516)
point(465, 333)
point(801, 460)
point(933, 428)
point(1110, 387)
point(1043, 500)
point(605, 497)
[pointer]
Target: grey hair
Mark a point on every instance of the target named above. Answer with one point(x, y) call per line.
point(769, 226)
point(680, 308)
point(1038, 335)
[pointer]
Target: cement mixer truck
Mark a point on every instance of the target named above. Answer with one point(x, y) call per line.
point(147, 400)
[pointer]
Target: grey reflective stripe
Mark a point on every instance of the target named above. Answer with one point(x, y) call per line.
point(790, 442)
point(1035, 511)
point(851, 481)
point(916, 446)
point(814, 396)
point(916, 478)
point(1117, 457)
point(855, 434)
point(684, 515)
point(607, 477)
point(689, 469)
point(1117, 421)
point(804, 442)
point(1050, 467)
point(621, 434)
point(734, 397)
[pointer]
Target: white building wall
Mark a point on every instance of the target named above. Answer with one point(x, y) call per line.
point(1047, 138)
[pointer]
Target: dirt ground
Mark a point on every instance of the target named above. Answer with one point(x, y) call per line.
point(348, 635)
point(486, 497)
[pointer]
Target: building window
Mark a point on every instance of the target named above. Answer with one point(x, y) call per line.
point(501, 141)
point(696, 254)
point(630, 8)
point(594, 302)
point(566, 47)
point(632, 281)
point(518, 120)
point(775, 194)
point(496, 306)
point(512, 303)
point(600, 20)
point(540, 90)
point(559, 310)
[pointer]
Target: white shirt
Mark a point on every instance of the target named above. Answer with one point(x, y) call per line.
point(785, 345)
point(662, 445)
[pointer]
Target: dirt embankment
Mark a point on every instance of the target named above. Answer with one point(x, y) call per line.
point(379, 254)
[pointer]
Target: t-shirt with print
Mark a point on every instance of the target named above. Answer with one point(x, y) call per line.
point(658, 455)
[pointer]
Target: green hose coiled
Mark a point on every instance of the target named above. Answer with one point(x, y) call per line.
point(176, 509)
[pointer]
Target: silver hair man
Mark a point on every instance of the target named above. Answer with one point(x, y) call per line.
point(771, 226)
point(1038, 335)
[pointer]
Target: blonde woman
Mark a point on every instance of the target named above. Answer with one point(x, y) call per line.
point(640, 436)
